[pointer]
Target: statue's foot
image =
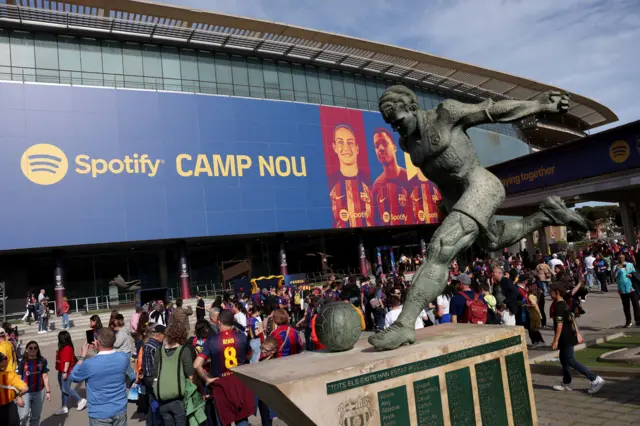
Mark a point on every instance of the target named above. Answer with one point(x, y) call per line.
point(562, 215)
point(393, 337)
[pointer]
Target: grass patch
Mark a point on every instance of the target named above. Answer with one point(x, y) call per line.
point(589, 356)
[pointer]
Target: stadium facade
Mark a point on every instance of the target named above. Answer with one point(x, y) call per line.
point(136, 138)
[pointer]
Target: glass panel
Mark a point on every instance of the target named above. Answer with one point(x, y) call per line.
point(313, 86)
point(223, 74)
point(91, 62)
point(326, 93)
point(299, 83)
point(338, 88)
point(256, 77)
point(171, 68)
point(22, 49)
point(69, 53)
point(240, 76)
point(207, 72)
point(285, 80)
point(361, 92)
point(152, 67)
point(372, 93)
point(112, 63)
point(349, 90)
point(132, 62)
point(271, 85)
point(5, 48)
point(189, 70)
point(46, 58)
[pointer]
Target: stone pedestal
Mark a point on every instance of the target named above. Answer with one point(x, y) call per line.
point(455, 374)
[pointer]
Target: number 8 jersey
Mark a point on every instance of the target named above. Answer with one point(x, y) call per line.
point(226, 350)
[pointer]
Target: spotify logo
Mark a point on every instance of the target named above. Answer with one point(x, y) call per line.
point(44, 164)
point(619, 151)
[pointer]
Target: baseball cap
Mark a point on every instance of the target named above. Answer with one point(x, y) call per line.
point(464, 279)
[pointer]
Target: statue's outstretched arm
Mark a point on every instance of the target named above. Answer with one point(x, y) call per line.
point(469, 115)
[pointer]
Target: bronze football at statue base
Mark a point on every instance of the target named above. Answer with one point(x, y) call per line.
point(438, 143)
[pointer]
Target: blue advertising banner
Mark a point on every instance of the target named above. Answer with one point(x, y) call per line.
point(296, 280)
point(84, 165)
point(607, 152)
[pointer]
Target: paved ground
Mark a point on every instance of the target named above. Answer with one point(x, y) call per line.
point(617, 404)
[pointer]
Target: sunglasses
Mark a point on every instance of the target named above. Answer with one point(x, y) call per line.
point(32, 348)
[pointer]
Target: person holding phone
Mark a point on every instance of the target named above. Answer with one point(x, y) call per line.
point(566, 337)
point(623, 272)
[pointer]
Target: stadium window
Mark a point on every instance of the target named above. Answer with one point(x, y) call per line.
point(69, 59)
point(223, 74)
point(361, 92)
point(349, 90)
point(326, 91)
point(256, 78)
point(91, 62)
point(152, 67)
point(271, 85)
point(46, 49)
point(132, 64)
point(189, 70)
point(112, 63)
point(240, 76)
point(22, 56)
point(285, 80)
point(338, 88)
point(207, 72)
point(372, 93)
point(172, 78)
point(299, 83)
point(313, 86)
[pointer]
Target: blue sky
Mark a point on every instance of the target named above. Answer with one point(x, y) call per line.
point(589, 47)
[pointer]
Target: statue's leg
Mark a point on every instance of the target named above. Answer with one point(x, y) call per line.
point(457, 232)
point(552, 212)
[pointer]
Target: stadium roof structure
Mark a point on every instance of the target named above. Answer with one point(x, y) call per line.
point(148, 21)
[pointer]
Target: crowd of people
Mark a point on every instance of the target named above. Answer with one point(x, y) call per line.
point(141, 361)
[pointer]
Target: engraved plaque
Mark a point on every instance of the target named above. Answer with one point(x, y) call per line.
point(428, 402)
point(461, 410)
point(519, 390)
point(493, 407)
point(394, 408)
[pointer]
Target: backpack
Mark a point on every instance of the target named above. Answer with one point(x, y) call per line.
point(475, 311)
point(169, 384)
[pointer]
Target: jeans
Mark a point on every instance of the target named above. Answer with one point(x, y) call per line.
point(67, 391)
point(590, 278)
point(173, 413)
point(628, 300)
point(255, 350)
point(65, 321)
point(33, 402)
point(568, 361)
point(41, 323)
point(118, 420)
point(266, 415)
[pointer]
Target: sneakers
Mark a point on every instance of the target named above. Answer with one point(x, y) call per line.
point(82, 404)
point(42, 332)
point(562, 387)
point(61, 411)
point(596, 385)
point(627, 325)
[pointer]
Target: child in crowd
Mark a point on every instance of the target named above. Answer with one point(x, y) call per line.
point(535, 316)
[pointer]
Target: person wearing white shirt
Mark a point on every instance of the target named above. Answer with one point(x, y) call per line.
point(394, 313)
point(555, 261)
point(590, 275)
point(239, 316)
point(442, 303)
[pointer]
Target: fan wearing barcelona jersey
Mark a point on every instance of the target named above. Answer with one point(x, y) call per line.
point(391, 188)
point(425, 200)
point(350, 195)
point(289, 342)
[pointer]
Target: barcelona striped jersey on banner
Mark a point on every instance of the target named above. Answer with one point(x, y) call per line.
point(425, 198)
point(351, 202)
point(392, 200)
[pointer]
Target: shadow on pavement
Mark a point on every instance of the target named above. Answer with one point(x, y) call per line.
point(54, 420)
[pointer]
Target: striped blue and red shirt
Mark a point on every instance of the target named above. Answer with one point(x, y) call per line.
point(289, 342)
point(391, 197)
point(31, 371)
point(351, 202)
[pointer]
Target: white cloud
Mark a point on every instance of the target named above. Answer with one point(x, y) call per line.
point(590, 47)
